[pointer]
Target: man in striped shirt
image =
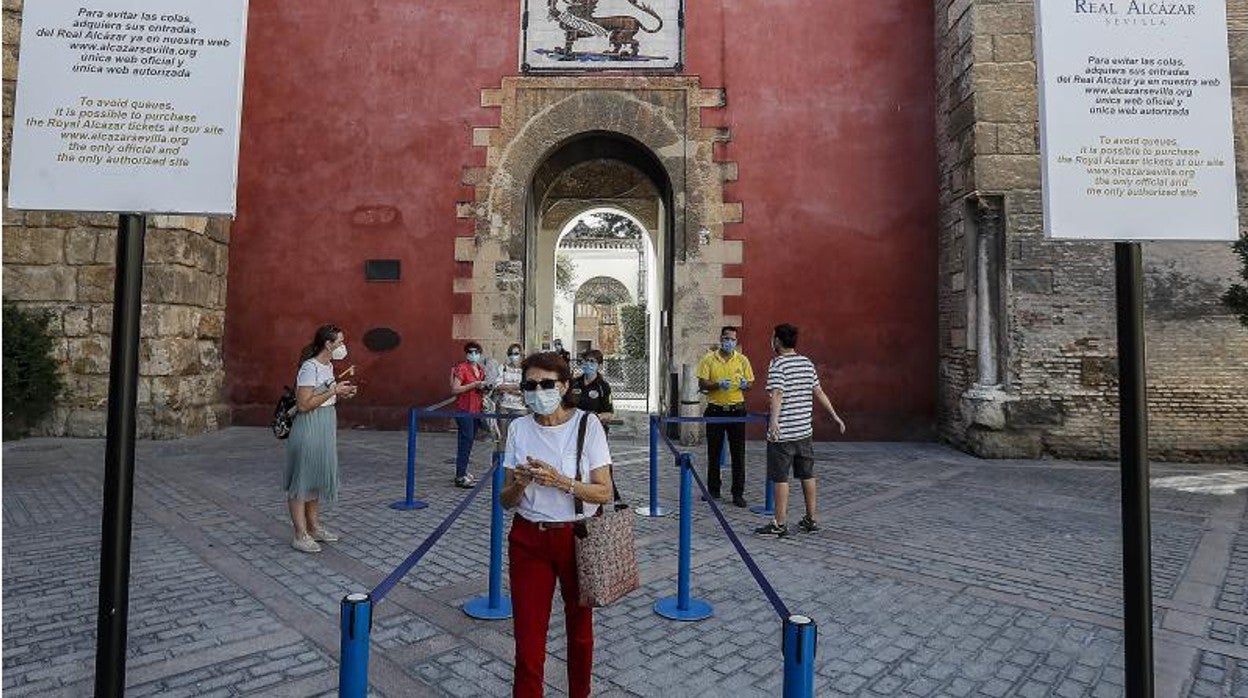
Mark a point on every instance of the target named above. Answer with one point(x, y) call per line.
point(794, 386)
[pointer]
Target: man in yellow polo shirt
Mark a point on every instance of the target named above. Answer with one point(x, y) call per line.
point(724, 374)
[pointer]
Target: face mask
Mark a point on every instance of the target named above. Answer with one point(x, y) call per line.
point(543, 402)
point(514, 358)
point(728, 345)
point(339, 353)
point(473, 357)
point(589, 368)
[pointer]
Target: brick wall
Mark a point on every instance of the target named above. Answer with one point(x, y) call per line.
point(1059, 389)
point(65, 263)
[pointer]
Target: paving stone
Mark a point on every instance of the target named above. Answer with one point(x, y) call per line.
point(932, 588)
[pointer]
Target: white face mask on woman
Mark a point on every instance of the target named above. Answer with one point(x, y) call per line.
point(339, 353)
point(543, 402)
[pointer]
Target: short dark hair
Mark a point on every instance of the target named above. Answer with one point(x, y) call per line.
point(592, 354)
point(470, 346)
point(728, 328)
point(515, 347)
point(787, 334)
point(550, 361)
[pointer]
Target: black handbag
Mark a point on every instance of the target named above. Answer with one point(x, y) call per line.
point(284, 413)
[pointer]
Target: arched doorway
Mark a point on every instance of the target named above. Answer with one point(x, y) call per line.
point(587, 174)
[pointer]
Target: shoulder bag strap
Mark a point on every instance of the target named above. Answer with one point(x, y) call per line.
point(580, 450)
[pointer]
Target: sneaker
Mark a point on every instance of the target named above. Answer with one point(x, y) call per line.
point(738, 500)
point(324, 535)
point(807, 525)
point(466, 481)
point(773, 529)
point(305, 544)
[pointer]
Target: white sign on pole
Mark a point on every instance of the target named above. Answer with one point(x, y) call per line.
point(1135, 120)
point(129, 106)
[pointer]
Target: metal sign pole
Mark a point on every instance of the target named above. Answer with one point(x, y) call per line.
point(1137, 590)
point(123, 385)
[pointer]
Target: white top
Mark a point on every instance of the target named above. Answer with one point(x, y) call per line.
point(510, 375)
point(795, 377)
point(557, 446)
point(318, 376)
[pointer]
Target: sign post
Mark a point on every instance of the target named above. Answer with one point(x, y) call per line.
point(123, 386)
point(131, 106)
point(1136, 144)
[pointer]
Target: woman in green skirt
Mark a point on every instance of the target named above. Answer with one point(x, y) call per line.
point(312, 449)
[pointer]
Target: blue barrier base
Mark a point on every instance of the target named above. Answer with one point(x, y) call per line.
point(647, 511)
point(480, 608)
point(669, 608)
point(763, 509)
point(408, 506)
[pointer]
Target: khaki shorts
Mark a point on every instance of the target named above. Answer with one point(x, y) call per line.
point(783, 456)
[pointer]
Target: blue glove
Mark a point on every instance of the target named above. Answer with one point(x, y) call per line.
point(725, 384)
point(743, 384)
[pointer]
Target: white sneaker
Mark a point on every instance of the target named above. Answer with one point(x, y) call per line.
point(466, 482)
point(324, 535)
point(305, 544)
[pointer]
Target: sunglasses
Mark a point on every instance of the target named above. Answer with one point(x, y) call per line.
point(514, 356)
point(545, 384)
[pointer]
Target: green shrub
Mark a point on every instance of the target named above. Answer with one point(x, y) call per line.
point(1236, 297)
point(32, 382)
point(636, 331)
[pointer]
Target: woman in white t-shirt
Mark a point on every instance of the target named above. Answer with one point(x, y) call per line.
point(312, 449)
point(507, 389)
point(541, 485)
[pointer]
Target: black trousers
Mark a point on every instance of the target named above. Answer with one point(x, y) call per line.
point(715, 448)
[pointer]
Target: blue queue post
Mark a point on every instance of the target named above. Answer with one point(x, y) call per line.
point(494, 606)
point(683, 606)
point(356, 623)
point(409, 500)
point(654, 509)
point(723, 452)
point(768, 508)
point(801, 635)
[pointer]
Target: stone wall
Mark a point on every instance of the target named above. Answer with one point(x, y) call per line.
point(65, 263)
point(663, 115)
point(1052, 303)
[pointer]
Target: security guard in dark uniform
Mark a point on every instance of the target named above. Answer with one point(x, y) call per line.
point(591, 390)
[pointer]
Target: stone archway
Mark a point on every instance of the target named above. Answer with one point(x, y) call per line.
point(538, 115)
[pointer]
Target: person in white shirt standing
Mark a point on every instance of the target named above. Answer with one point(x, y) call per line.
point(541, 484)
point(507, 389)
point(312, 449)
point(793, 386)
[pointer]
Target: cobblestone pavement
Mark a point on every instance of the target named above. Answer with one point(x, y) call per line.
point(935, 574)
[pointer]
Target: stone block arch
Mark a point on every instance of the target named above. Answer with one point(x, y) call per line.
point(540, 114)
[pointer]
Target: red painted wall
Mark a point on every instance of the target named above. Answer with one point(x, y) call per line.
point(833, 129)
point(357, 123)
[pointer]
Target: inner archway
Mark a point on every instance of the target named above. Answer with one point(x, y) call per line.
point(585, 179)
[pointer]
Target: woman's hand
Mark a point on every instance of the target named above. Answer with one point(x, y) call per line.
point(344, 389)
point(545, 474)
point(522, 476)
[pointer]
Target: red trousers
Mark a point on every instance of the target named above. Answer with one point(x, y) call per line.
point(536, 559)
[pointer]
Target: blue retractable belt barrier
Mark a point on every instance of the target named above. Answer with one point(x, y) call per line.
point(409, 500)
point(714, 420)
point(379, 592)
point(494, 606)
point(768, 590)
point(683, 606)
point(356, 623)
point(654, 509)
point(768, 507)
point(414, 415)
point(798, 643)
